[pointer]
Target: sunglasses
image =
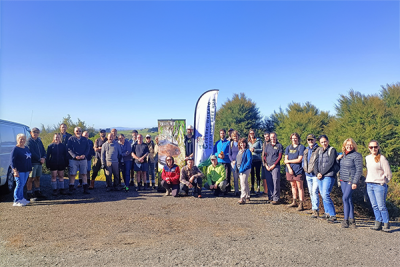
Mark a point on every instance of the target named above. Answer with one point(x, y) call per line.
point(373, 147)
point(35, 132)
point(310, 139)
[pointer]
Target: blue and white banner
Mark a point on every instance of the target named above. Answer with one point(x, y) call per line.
point(204, 123)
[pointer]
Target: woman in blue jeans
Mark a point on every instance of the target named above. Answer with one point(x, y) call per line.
point(351, 165)
point(378, 175)
point(22, 166)
point(326, 168)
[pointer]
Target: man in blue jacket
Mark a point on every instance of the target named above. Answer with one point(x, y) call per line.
point(221, 151)
point(36, 147)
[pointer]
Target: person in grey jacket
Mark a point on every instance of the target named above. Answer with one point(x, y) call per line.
point(326, 168)
point(351, 166)
point(233, 151)
point(309, 157)
point(255, 147)
point(110, 158)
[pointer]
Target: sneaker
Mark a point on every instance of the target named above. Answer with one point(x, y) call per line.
point(352, 224)
point(24, 201)
point(168, 192)
point(315, 214)
point(345, 224)
point(332, 219)
point(275, 202)
point(293, 204)
point(126, 189)
point(18, 204)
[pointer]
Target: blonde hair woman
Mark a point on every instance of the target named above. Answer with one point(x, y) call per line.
point(22, 166)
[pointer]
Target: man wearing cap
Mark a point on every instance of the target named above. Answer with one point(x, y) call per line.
point(110, 157)
point(216, 176)
point(78, 149)
point(221, 151)
point(191, 177)
point(97, 159)
point(38, 157)
point(309, 157)
point(189, 142)
point(151, 162)
point(64, 135)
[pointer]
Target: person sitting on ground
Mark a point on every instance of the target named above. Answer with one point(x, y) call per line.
point(170, 177)
point(191, 177)
point(216, 177)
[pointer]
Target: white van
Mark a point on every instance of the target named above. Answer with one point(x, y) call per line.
point(8, 135)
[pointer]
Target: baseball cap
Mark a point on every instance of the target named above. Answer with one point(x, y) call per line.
point(35, 129)
point(213, 157)
point(310, 136)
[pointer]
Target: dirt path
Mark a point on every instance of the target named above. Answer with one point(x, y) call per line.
point(147, 229)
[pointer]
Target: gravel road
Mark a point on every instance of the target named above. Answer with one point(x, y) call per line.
point(148, 229)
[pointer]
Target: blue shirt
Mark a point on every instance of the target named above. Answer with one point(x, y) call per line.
point(294, 153)
point(222, 145)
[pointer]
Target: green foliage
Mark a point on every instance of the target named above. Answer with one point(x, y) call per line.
point(239, 113)
point(364, 117)
point(303, 119)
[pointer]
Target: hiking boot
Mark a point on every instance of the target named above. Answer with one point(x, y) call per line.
point(91, 187)
point(39, 195)
point(54, 192)
point(71, 189)
point(386, 227)
point(62, 191)
point(345, 224)
point(168, 192)
point(325, 216)
point(352, 223)
point(315, 214)
point(301, 207)
point(275, 202)
point(30, 196)
point(377, 226)
point(332, 219)
point(86, 189)
point(294, 204)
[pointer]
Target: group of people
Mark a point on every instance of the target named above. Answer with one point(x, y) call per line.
point(232, 156)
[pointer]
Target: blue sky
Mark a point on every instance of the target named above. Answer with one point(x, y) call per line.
point(131, 63)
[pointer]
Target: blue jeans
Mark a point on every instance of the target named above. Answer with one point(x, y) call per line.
point(325, 185)
point(312, 183)
point(126, 171)
point(348, 207)
point(151, 172)
point(20, 183)
point(377, 195)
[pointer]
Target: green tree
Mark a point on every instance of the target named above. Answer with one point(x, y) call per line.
point(239, 113)
point(364, 117)
point(303, 119)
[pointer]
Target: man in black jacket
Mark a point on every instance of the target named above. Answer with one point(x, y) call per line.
point(36, 147)
point(64, 135)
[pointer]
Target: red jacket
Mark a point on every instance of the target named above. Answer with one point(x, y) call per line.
point(172, 174)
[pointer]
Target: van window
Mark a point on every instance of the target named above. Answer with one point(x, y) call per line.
point(7, 136)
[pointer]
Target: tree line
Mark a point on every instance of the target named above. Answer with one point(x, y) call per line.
point(359, 116)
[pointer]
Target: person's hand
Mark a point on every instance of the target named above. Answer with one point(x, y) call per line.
point(42, 160)
point(286, 161)
point(190, 186)
point(168, 181)
point(16, 173)
point(252, 149)
point(83, 157)
point(211, 186)
point(220, 156)
point(186, 158)
point(141, 160)
point(354, 186)
point(339, 157)
point(291, 171)
point(191, 179)
point(272, 167)
point(319, 176)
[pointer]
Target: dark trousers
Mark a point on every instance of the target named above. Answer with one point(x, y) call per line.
point(96, 168)
point(255, 165)
point(196, 187)
point(274, 183)
point(112, 168)
point(228, 170)
point(174, 187)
